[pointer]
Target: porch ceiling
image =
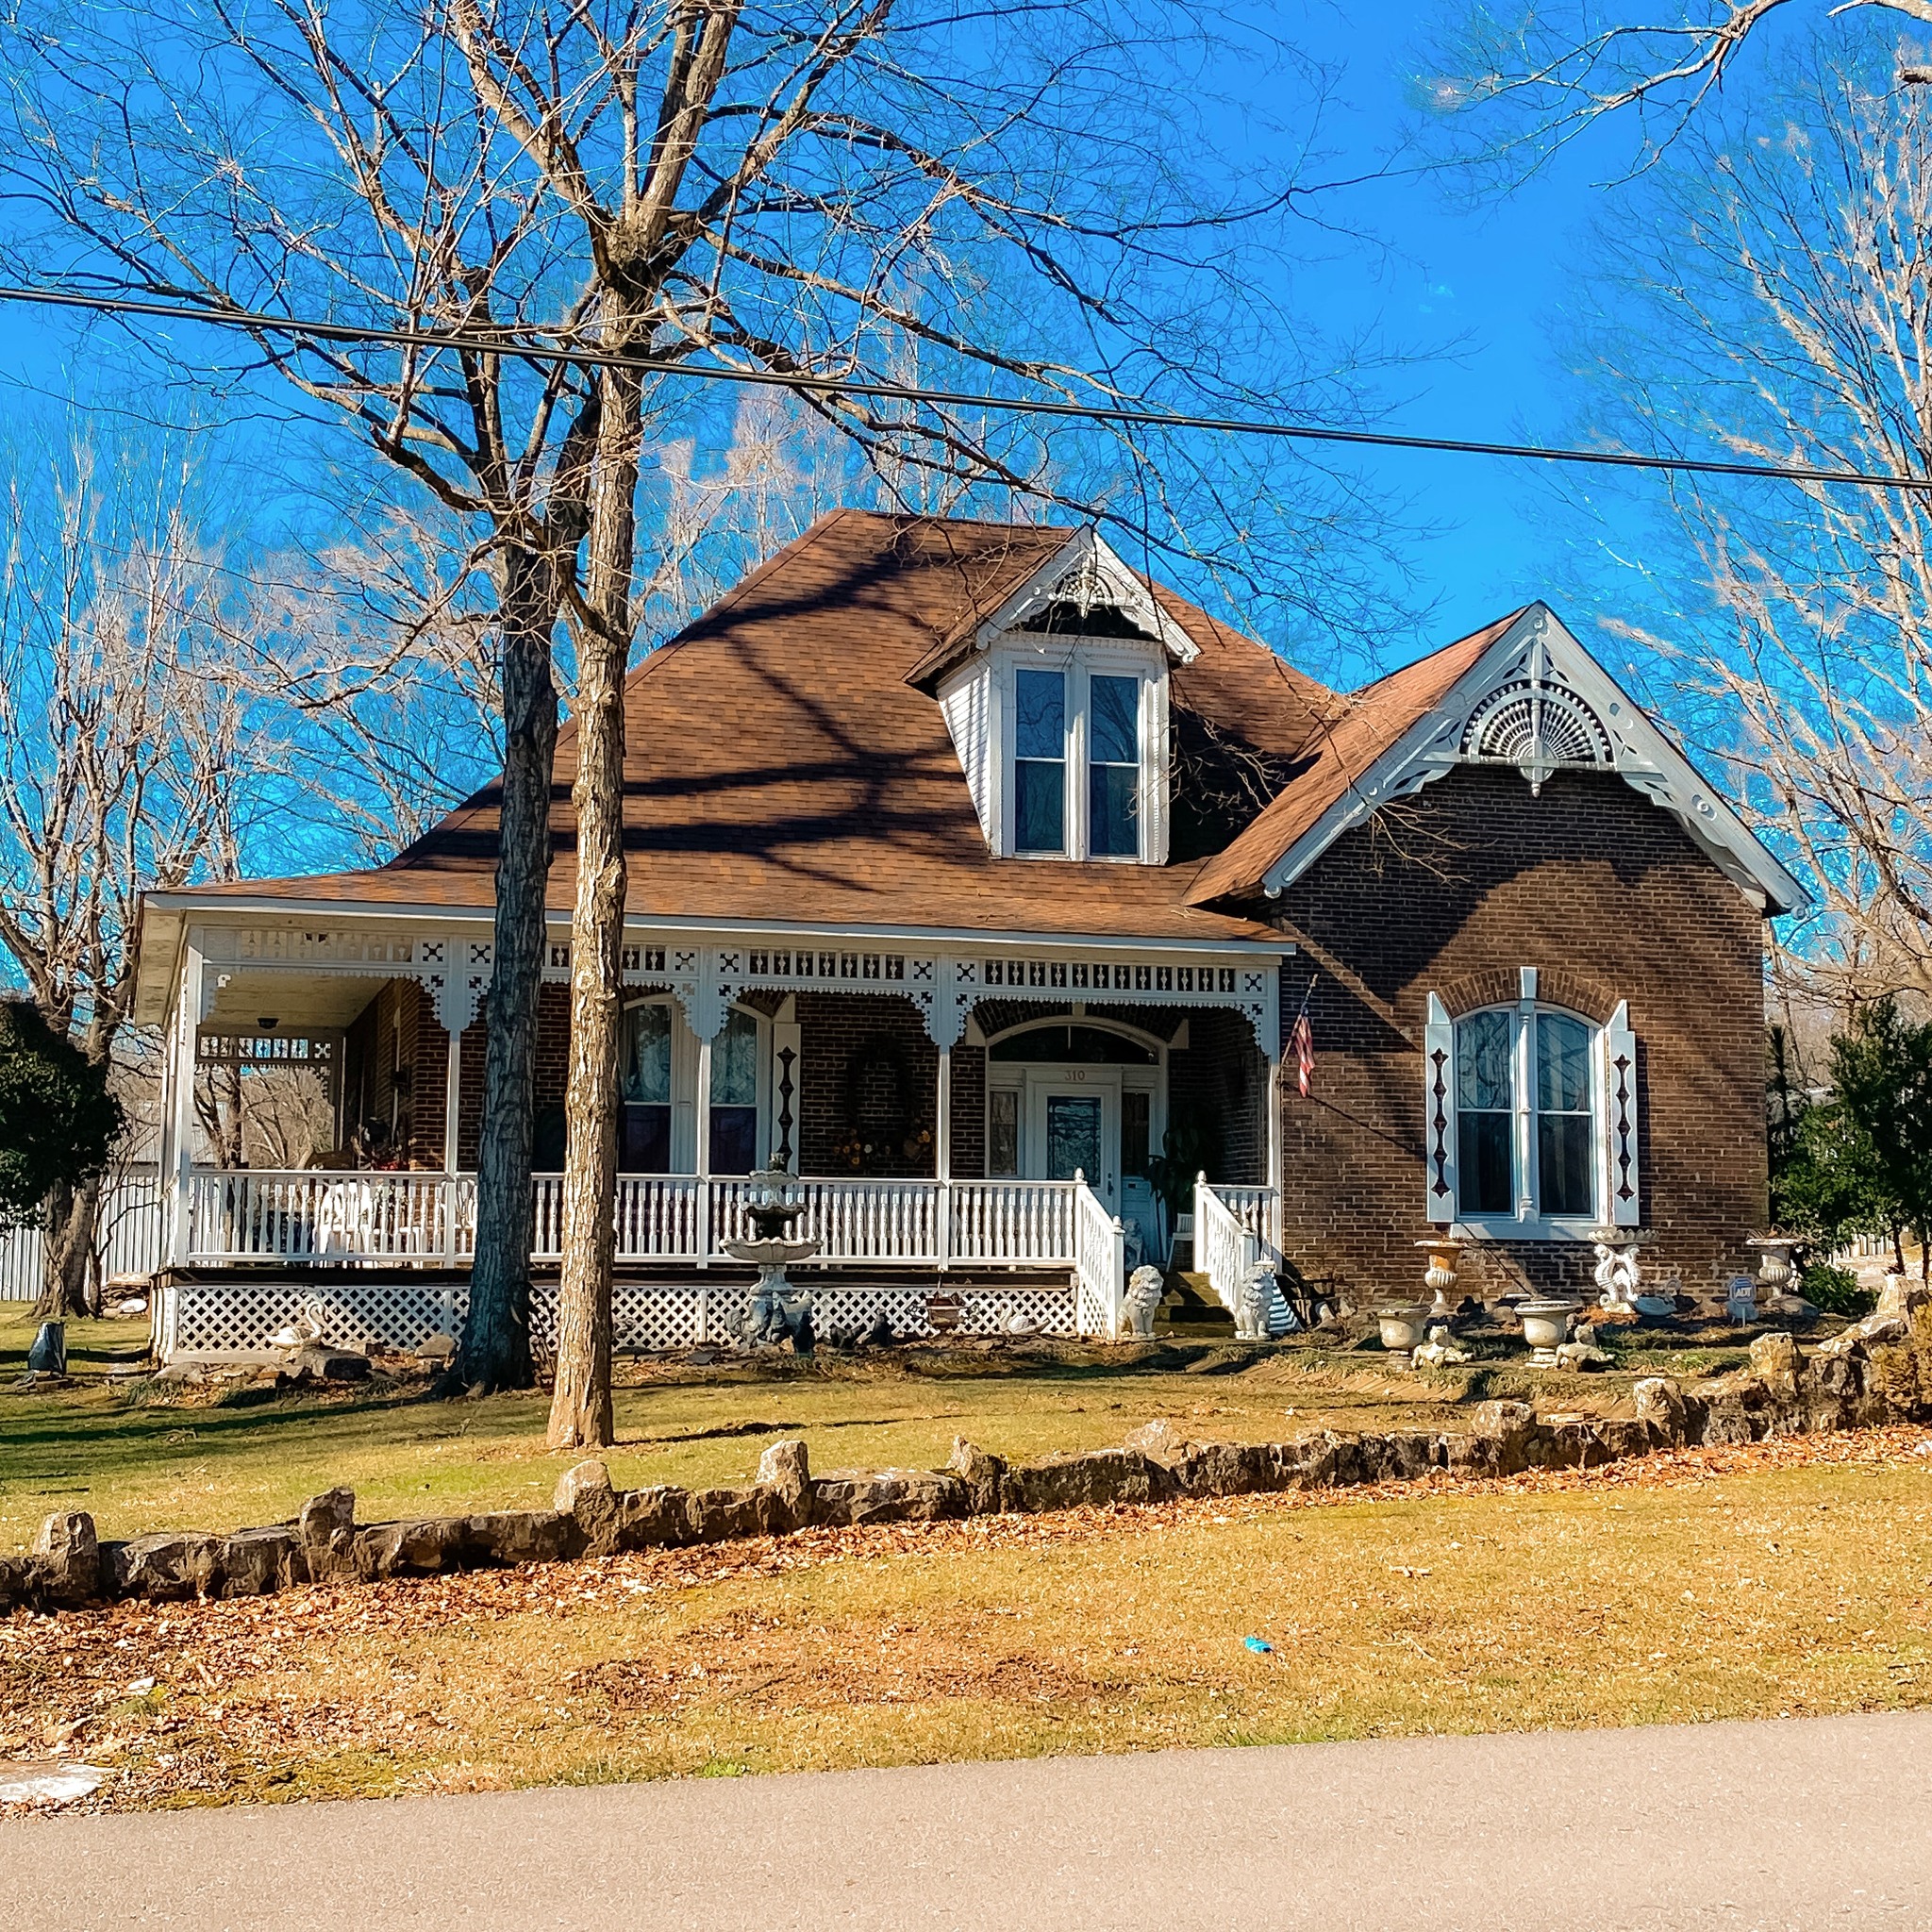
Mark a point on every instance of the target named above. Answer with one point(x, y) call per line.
point(297, 1002)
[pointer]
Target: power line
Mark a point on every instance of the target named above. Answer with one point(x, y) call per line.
point(517, 342)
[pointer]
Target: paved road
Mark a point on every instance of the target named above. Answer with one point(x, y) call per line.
point(1808, 1825)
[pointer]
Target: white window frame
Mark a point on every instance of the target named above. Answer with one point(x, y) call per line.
point(684, 1078)
point(1611, 1111)
point(1080, 661)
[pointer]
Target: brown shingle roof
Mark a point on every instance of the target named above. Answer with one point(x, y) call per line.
point(780, 768)
point(1350, 740)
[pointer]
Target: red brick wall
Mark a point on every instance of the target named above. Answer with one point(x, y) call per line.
point(1470, 880)
point(833, 1029)
point(1222, 1072)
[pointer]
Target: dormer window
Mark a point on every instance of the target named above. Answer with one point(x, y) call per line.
point(1079, 782)
point(1113, 767)
point(1057, 703)
point(1040, 761)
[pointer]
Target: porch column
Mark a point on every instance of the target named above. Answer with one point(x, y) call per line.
point(704, 1159)
point(452, 1099)
point(942, 1160)
point(1277, 1181)
point(182, 1111)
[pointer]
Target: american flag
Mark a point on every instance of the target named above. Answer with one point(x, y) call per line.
point(1304, 1038)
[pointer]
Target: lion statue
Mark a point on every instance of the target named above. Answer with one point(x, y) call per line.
point(1253, 1304)
point(1145, 1287)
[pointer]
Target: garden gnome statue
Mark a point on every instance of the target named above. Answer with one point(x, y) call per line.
point(1145, 1287)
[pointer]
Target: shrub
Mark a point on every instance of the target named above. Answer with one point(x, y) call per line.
point(1835, 1289)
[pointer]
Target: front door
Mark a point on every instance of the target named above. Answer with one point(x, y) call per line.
point(1075, 1127)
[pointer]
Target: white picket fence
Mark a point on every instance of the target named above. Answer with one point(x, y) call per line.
point(129, 1241)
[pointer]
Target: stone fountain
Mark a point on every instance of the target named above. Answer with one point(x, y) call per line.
point(778, 1308)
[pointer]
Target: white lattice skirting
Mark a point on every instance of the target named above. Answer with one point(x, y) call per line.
point(231, 1317)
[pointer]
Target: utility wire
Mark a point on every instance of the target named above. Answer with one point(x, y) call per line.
point(517, 342)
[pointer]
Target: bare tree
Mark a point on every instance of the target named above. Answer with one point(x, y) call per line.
point(124, 756)
point(331, 160)
point(869, 188)
point(1771, 301)
point(1521, 81)
point(847, 189)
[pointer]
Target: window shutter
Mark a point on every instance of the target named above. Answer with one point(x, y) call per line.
point(787, 1055)
point(1618, 1070)
point(1439, 1109)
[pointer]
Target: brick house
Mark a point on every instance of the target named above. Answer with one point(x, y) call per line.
point(969, 872)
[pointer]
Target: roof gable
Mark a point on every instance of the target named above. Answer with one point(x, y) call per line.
point(1520, 692)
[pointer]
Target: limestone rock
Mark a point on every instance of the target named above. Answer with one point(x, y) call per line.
point(1509, 1429)
point(324, 1527)
point(257, 1562)
point(717, 1515)
point(588, 1481)
point(1775, 1361)
point(652, 1519)
point(784, 1469)
point(425, 1546)
point(68, 1557)
point(170, 1567)
point(1661, 1408)
point(316, 1362)
point(439, 1350)
point(888, 1495)
point(516, 1536)
point(1100, 1476)
point(983, 1475)
point(1158, 1440)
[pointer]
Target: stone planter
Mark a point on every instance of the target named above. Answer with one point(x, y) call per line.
point(1773, 1263)
point(1402, 1328)
point(1546, 1325)
point(1440, 1276)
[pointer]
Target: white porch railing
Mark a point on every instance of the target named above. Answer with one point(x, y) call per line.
point(259, 1214)
point(312, 1216)
point(1233, 1231)
point(1100, 1253)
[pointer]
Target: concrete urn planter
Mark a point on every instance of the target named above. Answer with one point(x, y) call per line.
point(1546, 1325)
point(1402, 1328)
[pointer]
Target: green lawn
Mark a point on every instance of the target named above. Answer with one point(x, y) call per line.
point(136, 1464)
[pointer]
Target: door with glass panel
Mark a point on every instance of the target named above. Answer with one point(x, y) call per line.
point(1074, 1127)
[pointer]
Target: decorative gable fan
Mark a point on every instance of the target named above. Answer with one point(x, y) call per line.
point(1085, 590)
point(1538, 727)
point(1536, 722)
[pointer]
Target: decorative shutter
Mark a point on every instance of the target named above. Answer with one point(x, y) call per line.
point(786, 1059)
point(1439, 1109)
point(1617, 1048)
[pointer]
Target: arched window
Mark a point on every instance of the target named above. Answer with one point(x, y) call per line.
point(1527, 1145)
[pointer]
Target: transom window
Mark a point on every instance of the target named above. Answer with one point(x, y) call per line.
point(1526, 1133)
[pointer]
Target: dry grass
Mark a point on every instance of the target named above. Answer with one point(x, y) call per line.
point(1787, 1577)
point(138, 1465)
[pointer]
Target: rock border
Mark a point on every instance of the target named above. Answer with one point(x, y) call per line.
point(1878, 1372)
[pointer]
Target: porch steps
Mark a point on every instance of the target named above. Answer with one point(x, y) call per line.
point(1190, 1306)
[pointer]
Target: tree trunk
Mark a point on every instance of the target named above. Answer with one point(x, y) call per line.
point(580, 1415)
point(72, 1217)
point(495, 1351)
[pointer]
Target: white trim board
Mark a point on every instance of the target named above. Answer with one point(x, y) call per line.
point(1640, 754)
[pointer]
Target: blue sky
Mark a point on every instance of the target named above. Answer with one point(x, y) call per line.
point(1474, 291)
